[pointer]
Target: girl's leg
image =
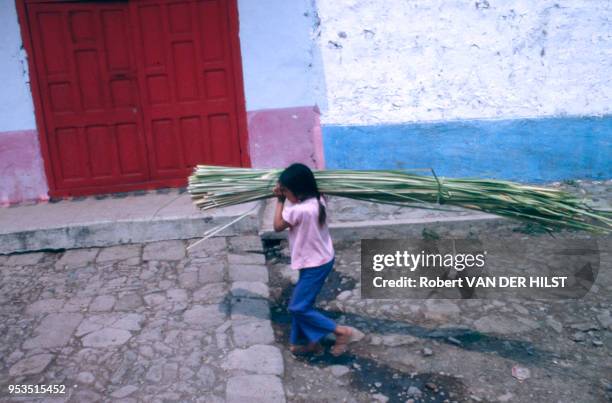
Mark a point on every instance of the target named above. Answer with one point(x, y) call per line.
point(296, 335)
point(313, 323)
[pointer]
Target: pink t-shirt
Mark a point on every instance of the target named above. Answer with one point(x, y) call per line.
point(310, 243)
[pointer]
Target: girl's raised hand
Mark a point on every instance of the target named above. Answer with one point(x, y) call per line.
point(278, 192)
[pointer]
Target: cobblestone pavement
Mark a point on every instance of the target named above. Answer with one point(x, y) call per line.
point(141, 323)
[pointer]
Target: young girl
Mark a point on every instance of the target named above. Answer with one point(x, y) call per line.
point(301, 208)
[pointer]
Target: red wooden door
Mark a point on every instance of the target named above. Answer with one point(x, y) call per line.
point(135, 93)
point(185, 73)
point(87, 77)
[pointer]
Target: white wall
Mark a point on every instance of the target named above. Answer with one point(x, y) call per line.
point(280, 58)
point(391, 61)
point(16, 108)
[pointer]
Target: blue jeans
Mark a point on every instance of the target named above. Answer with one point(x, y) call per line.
point(308, 323)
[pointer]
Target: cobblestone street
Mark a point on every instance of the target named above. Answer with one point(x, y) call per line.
point(148, 323)
point(156, 322)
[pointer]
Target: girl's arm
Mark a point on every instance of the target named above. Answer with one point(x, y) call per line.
point(279, 223)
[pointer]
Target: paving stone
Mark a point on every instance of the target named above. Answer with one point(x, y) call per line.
point(74, 258)
point(211, 293)
point(250, 289)
point(261, 359)
point(206, 316)
point(128, 302)
point(130, 321)
point(504, 325)
point(177, 295)
point(254, 389)
point(185, 373)
point(379, 397)
point(106, 337)
point(248, 258)
point(155, 373)
point(119, 252)
point(170, 372)
point(188, 280)
point(339, 370)
point(439, 310)
point(77, 304)
point(31, 365)
point(24, 259)
point(85, 395)
point(55, 330)
point(605, 320)
point(211, 273)
point(247, 309)
point(206, 377)
point(85, 377)
point(164, 250)
point(102, 303)
point(242, 272)
point(45, 306)
point(249, 243)
point(250, 333)
point(155, 299)
point(557, 326)
point(344, 295)
point(393, 340)
point(206, 248)
point(124, 391)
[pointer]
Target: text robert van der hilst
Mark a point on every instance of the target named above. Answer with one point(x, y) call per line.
point(459, 262)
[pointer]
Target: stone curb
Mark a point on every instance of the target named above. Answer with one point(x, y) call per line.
point(256, 365)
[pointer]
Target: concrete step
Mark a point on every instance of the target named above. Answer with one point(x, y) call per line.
point(133, 218)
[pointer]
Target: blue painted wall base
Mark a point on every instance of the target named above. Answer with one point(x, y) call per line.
point(524, 150)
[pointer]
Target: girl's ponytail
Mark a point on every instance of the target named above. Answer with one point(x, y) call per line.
point(322, 212)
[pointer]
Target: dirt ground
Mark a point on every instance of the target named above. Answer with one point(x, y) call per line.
point(451, 350)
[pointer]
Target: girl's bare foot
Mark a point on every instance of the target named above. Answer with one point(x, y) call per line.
point(344, 336)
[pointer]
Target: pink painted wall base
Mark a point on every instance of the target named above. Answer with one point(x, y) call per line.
point(22, 173)
point(279, 137)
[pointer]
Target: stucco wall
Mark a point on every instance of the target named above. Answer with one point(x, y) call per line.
point(280, 55)
point(16, 107)
point(391, 61)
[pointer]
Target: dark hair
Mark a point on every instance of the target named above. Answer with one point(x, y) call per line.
point(301, 181)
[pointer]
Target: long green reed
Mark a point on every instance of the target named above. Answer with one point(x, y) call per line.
point(216, 186)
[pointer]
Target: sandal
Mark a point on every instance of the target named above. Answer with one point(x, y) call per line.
point(343, 341)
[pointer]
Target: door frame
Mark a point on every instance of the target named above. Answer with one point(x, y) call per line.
point(236, 60)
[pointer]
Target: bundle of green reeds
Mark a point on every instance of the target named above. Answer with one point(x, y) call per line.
point(217, 186)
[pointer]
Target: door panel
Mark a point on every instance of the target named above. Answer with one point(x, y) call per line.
point(89, 93)
point(190, 109)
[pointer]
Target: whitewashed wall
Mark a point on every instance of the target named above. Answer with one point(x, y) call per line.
point(280, 56)
point(391, 61)
point(16, 107)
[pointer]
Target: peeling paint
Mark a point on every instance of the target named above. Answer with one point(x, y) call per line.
point(409, 61)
